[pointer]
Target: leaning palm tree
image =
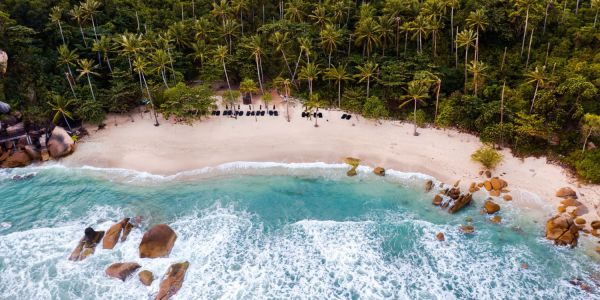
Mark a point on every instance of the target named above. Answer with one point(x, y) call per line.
point(465, 39)
point(366, 73)
point(140, 66)
point(90, 8)
point(55, 16)
point(285, 84)
point(104, 45)
point(78, 15)
point(477, 68)
point(86, 68)
point(416, 92)
point(539, 78)
point(60, 107)
point(221, 55)
point(130, 45)
point(433, 78)
point(160, 61)
point(256, 47)
point(310, 72)
point(339, 75)
point(280, 41)
point(68, 58)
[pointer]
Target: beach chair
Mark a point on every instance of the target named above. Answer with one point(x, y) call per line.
point(253, 113)
point(348, 117)
point(276, 113)
point(320, 115)
point(343, 116)
point(247, 113)
point(262, 113)
point(271, 113)
point(304, 114)
point(218, 113)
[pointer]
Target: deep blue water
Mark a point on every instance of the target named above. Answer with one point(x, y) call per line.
point(313, 234)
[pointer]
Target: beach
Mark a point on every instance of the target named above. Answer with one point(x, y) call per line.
point(442, 153)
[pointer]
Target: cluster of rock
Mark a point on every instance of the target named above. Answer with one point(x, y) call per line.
point(353, 162)
point(451, 199)
point(156, 242)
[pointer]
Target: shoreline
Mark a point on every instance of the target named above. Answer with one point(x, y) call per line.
point(443, 154)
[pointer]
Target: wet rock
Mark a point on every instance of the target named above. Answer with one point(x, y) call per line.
point(561, 209)
point(440, 236)
point(18, 159)
point(580, 221)
point(157, 242)
point(496, 219)
point(488, 174)
point(428, 185)
point(497, 183)
point(113, 233)
point(379, 171)
point(126, 230)
point(352, 161)
point(87, 245)
point(524, 266)
point(570, 202)
point(437, 200)
point(351, 172)
point(60, 144)
point(595, 224)
point(121, 270)
point(491, 207)
point(562, 230)
point(487, 185)
point(507, 197)
point(566, 192)
point(494, 193)
point(33, 152)
point(454, 193)
point(473, 188)
point(146, 277)
point(461, 202)
point(467, 229)
point(172, 281)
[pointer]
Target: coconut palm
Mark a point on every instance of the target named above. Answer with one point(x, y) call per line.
point(313, 104)
point(228, 31)
point(220, 10)
point(130, 44)
point(140, 66)
point(595, 4)
point(248, 86)
point(478, 69)
point(255, 45)
point(310, 73)
point(160, 61)
point(539, 78)
point(104, 45)
point(477, 20)
point(319, 16)
point(453, 4)
point(221, 54)
point(86, 68)
point(285, 84)
point(330, 40)
point(239, 6)
point(305, 44)
point(465, 39)
point(202, 28)
point(339, 75)
point(415, 92)
point(435, 79)
point(366, 73)
point(367, 35)
point(55, 16)
point(294, 11)
point(526, 7)
point(79, 16)
point(60, 107)
point(420, 28)
point(90, 8)
point(280, 41)
point(386, 32)
point(199, 52)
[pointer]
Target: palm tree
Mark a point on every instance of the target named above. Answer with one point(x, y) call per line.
point(294, 11)
point(416, 92)
point(221, 55)
point(305, 46)
point(452, 4)
point(330, 40)
point(339, 74)
point(67, 57)
point(367, 35)
point(78, 15)
point(86, 68)
point(279, 41)
point(366, 72)
point(130, 45)
point(255, 46)
point(55, 16)
point(60, 107)
point(319, 16)
point(285, 84)
point(478, 69)
point(595, 4)
point(140, 66)
point(199, 52)
point(314, 103)
point(420, 27)
point(240, 6)
point(527, 7)
point(90, 7)
point(310, 72)
point(248, 86)
point(220, 10)
point(160, 60)
point(477, 20)
point(538, 77)
point(428, 76)
point(465, 39)
point(229, 30)
point(103, 46)
point(386, 32)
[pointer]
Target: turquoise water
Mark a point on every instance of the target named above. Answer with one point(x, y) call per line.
point(260, 234)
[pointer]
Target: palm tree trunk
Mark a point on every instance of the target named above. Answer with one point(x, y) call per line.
point(477, 45)
point(586, 139)
point(451, 28)
point(91, 89)
point(242, 20)
point(502, 114)
point(368, 85)
point(286, 62)
point(164, 77)
point(129, 61)
point(258, 73)
point(151, 101)
point(415, 118)
point(108, 63)
point(296, 68)
point(61, 33)
point(94, 26)
point(68, 125)
point(503, 59)
point(226, 76)
point(577, 7)
point(71, 85)
point(525, 31)
point(339, 94)
point(172, 67)
point(596, 18)
point(537, 85)
point(456, 50)
point(529, 49)
point(546, 17)
point(82, 35)
point(405, 42)
point(466, 58)
point(437, 100)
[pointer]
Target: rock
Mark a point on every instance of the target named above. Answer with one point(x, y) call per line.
point(437, 200)
point(580, 221)
point(351, 172)
point(562, 230)
point(440, 236)
point(488, 173)
point(33, 152)
point(488, 185)
point(126, 230)
point(113, 233)
point(146, 277)
point(507, 197)
point(491, 207)
point(457, 183)
point(60, 144)
point(561, 209)
point(172, 281)
point(354, 162)
point(473, 188)
point(494, 193)
point(121, 270)
point(524, 266)
point(428, 185)
point(598, 249)
point(468, 229)
point(566, 192)
point(497, 183)
point(461, 202)
point(570, 202)
point(379, 171)
point(480, 185)
point(87, 244)
point(454, 193)
point(157, 242)
point(595, 224)
point(496, 219)
point(17, 160)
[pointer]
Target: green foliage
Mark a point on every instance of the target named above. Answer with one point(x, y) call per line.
point(374, 108)
point(487, 156)
point(90, 111)
point(187, 103)
point(586, 164)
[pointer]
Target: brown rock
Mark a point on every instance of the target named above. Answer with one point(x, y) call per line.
point(440, 236)
point(562, 230)
point(437, 200)
point(488, 185)
point(561, 209)
point(473, 188)
point(354, 162)
point(121, 270)
point(33, 152)
point(60, 143)
point(495, 193)
point(126, 230)
point(488, 174)
point(157, 242)
point(379, 171)
point(497, 184)
point(496, 219)
point(468, 229)
point(570, 202)
point(461, 202)
point(87, 244)
point(595, 224)
point(491, 207)
point(566, 192)
point(17, 160)
point(112, 235)
point(351, 172)
point(457, 183)
point(146, 277)
point(507, 197)
point(454, 193)
point(580, 221)
point(428, 185)
point(172, 281)
point(480, 184)
point(524, 266)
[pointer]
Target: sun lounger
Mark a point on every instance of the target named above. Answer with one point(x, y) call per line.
point(304, 114)
point(343, 116)
point(262, 113)
point(270, 113)
point(218, 113)
point(348, 117)
point(276, 113)
point(247, 113)
point(320, 115)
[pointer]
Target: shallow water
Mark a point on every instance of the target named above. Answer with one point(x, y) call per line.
point(271, 232)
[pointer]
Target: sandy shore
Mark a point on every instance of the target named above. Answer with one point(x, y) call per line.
point(444, 154)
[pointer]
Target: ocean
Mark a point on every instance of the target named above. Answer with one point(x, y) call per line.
point(276, 231)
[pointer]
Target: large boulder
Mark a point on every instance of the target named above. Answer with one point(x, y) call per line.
point(33, 152)
point(113, 233)
point(157, 242)
point(497, 183)
point(172, 281)
point(87, 245)
point(17, 160)
point(491, 207)
point(379, 171)
point(122, 270)
point(462, 201)
point(146, 277)
point(428, 185)
point(562, 230)
point(566, 192)
point(60, 144)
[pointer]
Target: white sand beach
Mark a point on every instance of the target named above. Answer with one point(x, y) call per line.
point(444, 154)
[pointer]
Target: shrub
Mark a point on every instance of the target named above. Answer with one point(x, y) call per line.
point(586, 164)
point(487, 156)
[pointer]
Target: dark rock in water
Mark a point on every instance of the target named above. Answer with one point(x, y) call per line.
point(17, 160)
point(126, 230)
point(468, 229)
point(23, 177)
point(562, 230)
point(440, 236)
point(491, 207)
point(87, 245)
point(461, 202)
point(172, 281)
point(351, 172)
point(112, 235)
point(428, 185)
point(437, 200)
point(122, 270)
point(157, 242)
point(454, 193)
point(379, 171)
point(146, 277)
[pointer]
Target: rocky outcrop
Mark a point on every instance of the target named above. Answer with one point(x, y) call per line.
point(428, 185)
point(496, 219)
point(126, 230)
point(157, 242)
point(491, 207)
point(87, 245)
point(462, 201)
point(172, 281)
point(452, 199)
point(440, 236)
point(562, 230)
point(353, 162)
point(60, 144)
point(113, 233)
point(33, 152)
point(566, 192)
point(17, 160)
point(379, 171)
point(507, 197)
point(146, 277)
point(595, 224)
point(122, 270)
point(467, 229)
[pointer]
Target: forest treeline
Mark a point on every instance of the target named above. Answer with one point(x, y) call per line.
point(519, 73)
